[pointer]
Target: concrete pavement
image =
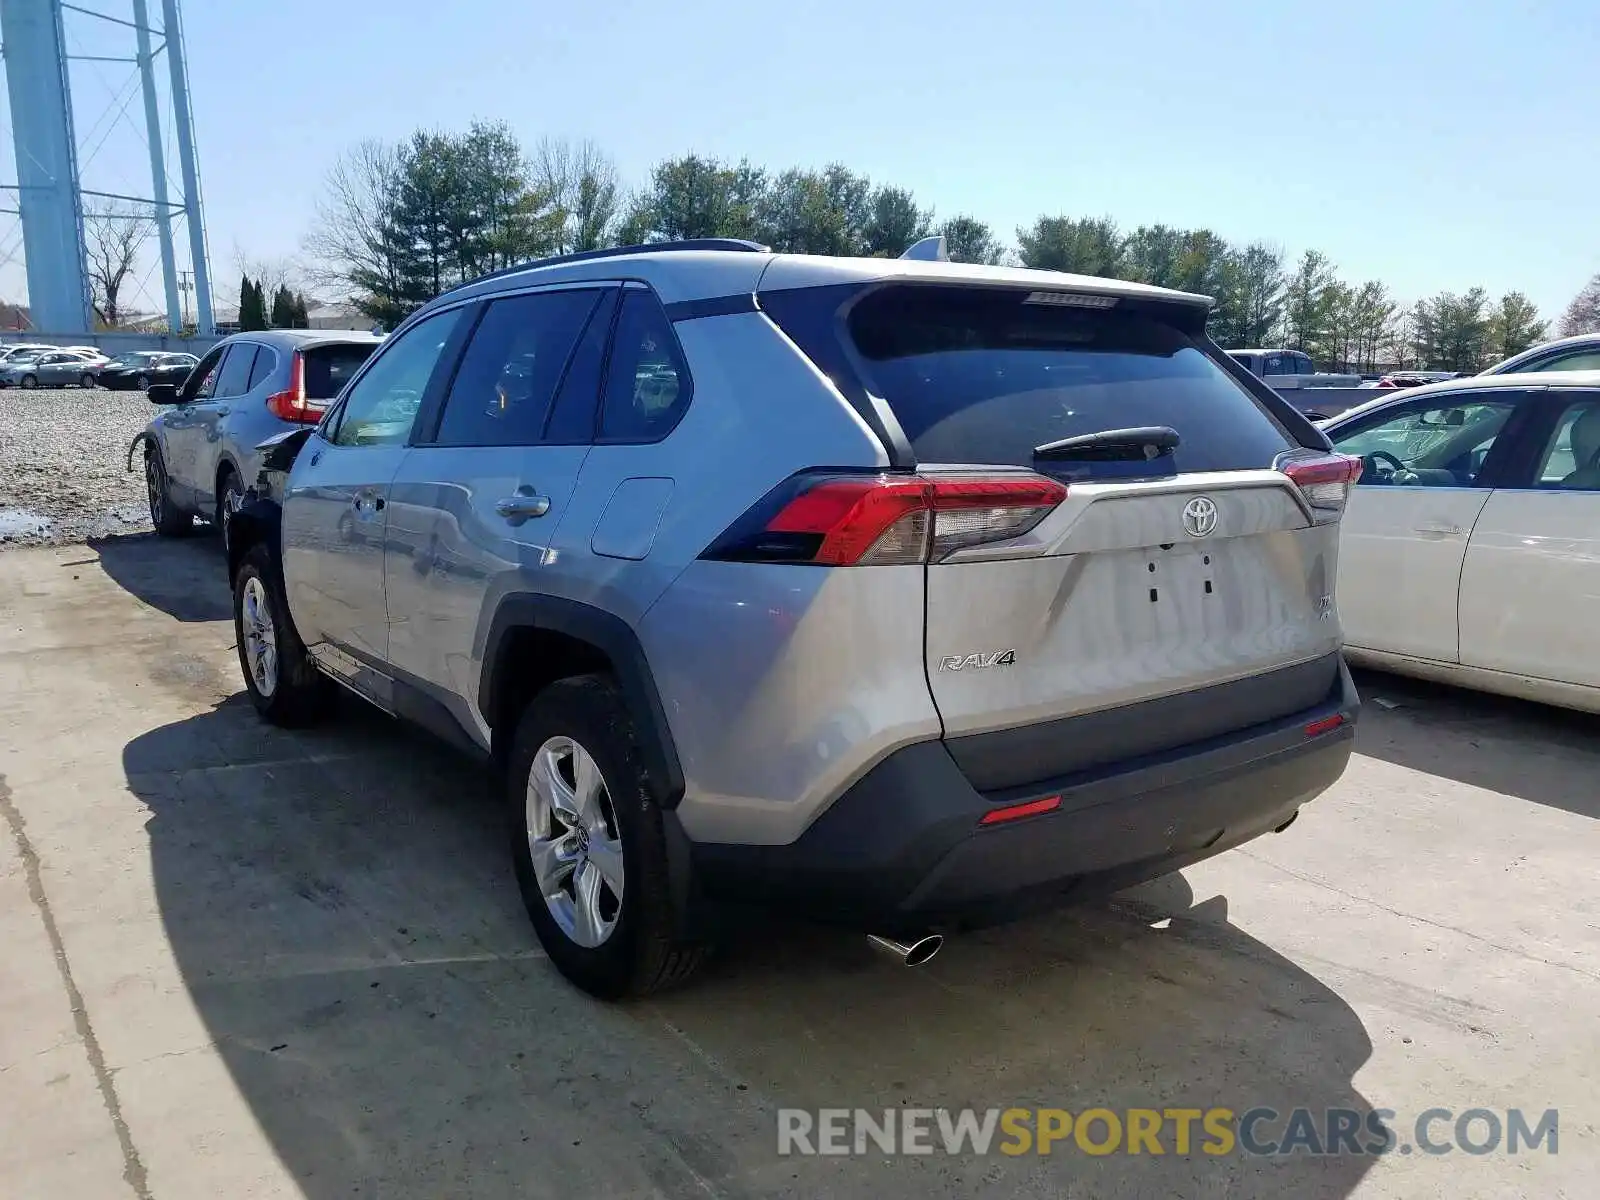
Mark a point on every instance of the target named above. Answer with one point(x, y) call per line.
point(244, 962)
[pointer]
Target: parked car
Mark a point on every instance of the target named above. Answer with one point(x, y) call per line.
point(202, 449)
point(1470, 551)
point(141, 368)
point(49, 368)
point(1411, 379)
point(1317, 395)
point(23, 349)
point(671, 533)
point(1580, 353)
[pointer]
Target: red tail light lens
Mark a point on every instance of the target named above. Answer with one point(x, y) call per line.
point(881, 519)
point(291, 403)
point(1324, 480)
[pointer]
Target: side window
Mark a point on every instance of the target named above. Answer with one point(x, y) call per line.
point(573, 418)
point(647, 380)
point(381, 406)
point(1303, 365)
point(234, 379)
point(1277, 364)
point(204, 377)
point(266, 360)
point(1571, 461)
point(1578, 360)
point(1429, 445)
point(511, 369)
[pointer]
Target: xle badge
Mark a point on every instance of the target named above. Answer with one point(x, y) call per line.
point(978, 662)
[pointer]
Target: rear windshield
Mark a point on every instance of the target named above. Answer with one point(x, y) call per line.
point(328, 368)
point(979, 376)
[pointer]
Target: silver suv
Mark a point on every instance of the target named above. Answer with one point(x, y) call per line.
point(895, 593)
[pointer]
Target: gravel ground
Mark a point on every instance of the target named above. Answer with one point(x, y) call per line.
point(63, 460)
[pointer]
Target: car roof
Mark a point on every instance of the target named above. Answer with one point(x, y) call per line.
point(1472, 383)
point(1532, 352)
point(690, 273)
point(292, 339)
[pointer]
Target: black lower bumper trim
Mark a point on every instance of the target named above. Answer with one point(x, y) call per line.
point(903, 848)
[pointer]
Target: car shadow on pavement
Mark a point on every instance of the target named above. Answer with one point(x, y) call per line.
point(1536, 752)
point(341, 909)
point(176, 575)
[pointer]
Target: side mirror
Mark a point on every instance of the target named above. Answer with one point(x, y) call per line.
point(163, 393)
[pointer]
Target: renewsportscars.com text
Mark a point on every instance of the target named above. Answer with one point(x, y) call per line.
point(1259, 1131)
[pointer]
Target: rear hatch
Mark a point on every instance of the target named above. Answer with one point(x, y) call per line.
point(1175, 578)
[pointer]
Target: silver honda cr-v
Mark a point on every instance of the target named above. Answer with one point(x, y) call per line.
point(895, 593)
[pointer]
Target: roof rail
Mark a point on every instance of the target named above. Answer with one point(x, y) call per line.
point(735, 244)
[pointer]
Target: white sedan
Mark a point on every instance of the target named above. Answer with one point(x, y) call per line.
point(1470, 550)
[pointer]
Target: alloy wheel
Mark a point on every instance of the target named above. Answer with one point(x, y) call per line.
point(574, 841)
point(260, 636)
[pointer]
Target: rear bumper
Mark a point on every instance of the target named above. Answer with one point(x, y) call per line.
point(903, 848)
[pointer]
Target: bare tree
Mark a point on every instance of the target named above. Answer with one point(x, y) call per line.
point(271, 273)
point(354, 247)
point(581, 181)
point(1583, 314)
point(113, 237)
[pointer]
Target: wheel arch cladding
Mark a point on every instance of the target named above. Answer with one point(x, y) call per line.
point(613, 639)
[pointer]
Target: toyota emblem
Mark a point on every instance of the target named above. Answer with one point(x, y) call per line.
point(1200, 516)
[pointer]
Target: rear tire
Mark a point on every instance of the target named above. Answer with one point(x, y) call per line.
point(282, 684)
point(167, 517)
point(144, 383)
point(229, 494)
point(637, 951)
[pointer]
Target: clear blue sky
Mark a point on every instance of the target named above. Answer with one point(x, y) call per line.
point(1430, 144)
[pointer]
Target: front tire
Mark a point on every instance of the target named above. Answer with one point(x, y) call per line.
point(588, 844)
point(167, 517)
point(30, 381)
point(282, 684)
point(87, 381)
point(144, 383)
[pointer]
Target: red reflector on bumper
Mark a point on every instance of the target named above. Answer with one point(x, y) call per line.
point(1014, 812)
point(1325, 725)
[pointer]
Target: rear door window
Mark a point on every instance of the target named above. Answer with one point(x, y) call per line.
point(266, 360)
point(235, 377)
point(329, 368)
point(509, 374)
point(980, 376)
point(647, 379)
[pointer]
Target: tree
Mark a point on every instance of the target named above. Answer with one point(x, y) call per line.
point(113, 237)
point(1372, 312)
point(1151, 252)
point(1308, 301)
point(252, 305)
point(969, 240)
point(300, 317)
point(1452, 331)
point(354, 245)
point(1249, 296)
point(695, 197)
point(580, 181)
point(1583, 314)
point(283, 312)
point(893, 222)
point(1087, 246)
point(1514, 325)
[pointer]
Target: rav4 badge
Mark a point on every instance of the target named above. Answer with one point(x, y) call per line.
point(977, 662)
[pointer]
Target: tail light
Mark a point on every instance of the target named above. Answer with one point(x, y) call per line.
point(1324, 480)
point(291, 403)
point(873, 520)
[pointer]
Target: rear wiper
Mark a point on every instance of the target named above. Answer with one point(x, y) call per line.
point(1112, 445)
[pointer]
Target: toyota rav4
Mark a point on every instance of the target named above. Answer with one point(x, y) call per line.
point(901, 594)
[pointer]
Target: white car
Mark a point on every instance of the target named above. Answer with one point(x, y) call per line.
point(1470, 550)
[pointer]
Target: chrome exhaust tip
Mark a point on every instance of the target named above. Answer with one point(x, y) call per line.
point(908, 954)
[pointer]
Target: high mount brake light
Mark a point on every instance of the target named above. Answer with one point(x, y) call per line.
point(873, 520)
point(1324, 480)
point(291, 404)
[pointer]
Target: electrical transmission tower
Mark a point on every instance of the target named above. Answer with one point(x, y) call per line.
point(35, 38)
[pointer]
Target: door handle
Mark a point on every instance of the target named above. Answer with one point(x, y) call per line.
point(1439, 529)
point(519, 508)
